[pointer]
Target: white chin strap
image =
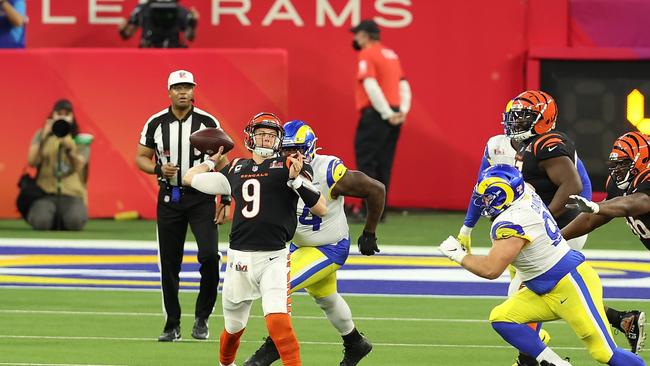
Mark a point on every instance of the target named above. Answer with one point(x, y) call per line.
point(264, 152)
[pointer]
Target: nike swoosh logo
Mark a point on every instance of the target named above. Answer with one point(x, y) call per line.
point(562, 301)
point(272, 258)
point(552, 148)
point(453, 250)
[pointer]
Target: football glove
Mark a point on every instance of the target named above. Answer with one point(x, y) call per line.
point(582, 204)
point(465, 238)
point(368, 243)
point(452, 249)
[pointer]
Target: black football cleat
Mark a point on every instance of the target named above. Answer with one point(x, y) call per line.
point(633, 326)
point(200, 329)
point(525, 360)
point(265, 355)
point(170, 335)
point(353, 353)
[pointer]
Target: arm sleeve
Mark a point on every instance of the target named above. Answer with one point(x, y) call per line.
point(211, 183)
point(584, 178)
point(377, 98)
point(473, 210)
point(404, 96)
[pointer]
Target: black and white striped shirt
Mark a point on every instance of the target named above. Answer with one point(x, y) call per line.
point(170, 139)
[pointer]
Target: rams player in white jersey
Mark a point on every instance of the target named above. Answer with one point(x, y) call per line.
point(321, 245)
point(559, 282)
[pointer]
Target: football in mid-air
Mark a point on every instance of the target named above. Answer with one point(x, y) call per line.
point(209, 140)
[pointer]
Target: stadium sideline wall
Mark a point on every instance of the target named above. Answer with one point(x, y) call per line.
point(464, 61)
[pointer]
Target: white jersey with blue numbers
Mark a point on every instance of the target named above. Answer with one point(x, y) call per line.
point(315, 231)
point(529, 219)
point(498, 150)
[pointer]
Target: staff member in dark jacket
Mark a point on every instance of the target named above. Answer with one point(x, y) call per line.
point(166, 135)
point(383, 97)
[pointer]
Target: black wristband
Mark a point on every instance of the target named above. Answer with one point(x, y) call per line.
point(309, 197)
point(225, 200)
point(158, 170)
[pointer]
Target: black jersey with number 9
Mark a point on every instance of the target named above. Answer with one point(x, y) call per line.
point(265, 206)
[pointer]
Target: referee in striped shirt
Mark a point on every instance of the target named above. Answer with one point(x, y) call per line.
point(166, 136)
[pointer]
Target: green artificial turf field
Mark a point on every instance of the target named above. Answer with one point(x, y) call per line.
point(69, 327)
point(59, 327)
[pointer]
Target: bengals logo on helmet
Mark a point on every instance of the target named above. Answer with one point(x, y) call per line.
point(530, 113)
point(630, 155)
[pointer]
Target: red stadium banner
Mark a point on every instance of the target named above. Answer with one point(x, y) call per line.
point(464, 60)
point(114, 92)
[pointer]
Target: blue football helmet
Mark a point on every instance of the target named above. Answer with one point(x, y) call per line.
point(497, 188)
point(298, 135)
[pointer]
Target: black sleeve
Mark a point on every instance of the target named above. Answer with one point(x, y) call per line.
point(553, 145)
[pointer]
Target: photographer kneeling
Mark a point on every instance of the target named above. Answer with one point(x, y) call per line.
point(55, 153)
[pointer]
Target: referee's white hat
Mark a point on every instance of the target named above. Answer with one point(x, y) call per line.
point(180, 77)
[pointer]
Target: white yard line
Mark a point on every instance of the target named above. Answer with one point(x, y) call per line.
point(305, 317)
point(318, 343)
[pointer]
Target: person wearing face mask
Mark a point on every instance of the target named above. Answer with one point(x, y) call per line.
point(383, 98)
point(60, 173)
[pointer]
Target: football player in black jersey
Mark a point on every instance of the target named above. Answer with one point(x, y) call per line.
point(546, 157)
point(265, 189)
point(628, 195)
point(547, 160)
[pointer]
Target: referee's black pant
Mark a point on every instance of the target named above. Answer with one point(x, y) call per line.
point(374, 145)
point(197, 209)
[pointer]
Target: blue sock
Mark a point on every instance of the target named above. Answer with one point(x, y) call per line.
point(622, 357)
point(520, 336)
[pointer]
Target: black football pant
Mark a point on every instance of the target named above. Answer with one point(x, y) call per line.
point(198, 210)
point(374, 146)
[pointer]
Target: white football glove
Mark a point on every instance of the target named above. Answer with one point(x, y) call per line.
point(582, 204)
point(465, 238)
point(452, 249)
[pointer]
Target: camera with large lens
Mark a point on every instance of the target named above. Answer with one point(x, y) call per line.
point(61, 128)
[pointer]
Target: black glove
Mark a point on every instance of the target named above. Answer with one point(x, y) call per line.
point(368, 243)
